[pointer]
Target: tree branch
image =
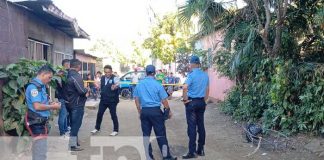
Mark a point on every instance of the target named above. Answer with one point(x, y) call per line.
point(257, 15)
point(281, 15)
point(265, 33)
point(285, 7)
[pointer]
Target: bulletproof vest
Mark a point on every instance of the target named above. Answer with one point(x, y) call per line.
point(108, 95)
point(38, 86)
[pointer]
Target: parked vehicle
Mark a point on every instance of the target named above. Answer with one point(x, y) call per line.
point(125, 81)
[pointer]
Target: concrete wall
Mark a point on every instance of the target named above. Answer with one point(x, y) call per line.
point(13, 30)
point(219, 85)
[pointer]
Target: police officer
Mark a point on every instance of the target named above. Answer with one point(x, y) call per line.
point(148, 97)
point(195, 94)
point(109, 99)
point(36, 119)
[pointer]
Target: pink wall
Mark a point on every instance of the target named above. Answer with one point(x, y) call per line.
point(219, 85)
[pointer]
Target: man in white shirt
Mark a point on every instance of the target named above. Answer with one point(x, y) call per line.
point(135, 79)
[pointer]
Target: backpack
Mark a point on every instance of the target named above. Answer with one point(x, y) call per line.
point(253, 131)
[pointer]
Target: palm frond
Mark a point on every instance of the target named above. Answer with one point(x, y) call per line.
point(208, 12)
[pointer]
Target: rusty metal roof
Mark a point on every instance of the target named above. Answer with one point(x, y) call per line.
point(47, 11)
point(82, 52)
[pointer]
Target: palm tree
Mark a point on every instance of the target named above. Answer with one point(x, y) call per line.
point(208, 12)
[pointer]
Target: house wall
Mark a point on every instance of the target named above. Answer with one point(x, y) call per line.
point(13, 30)
point(17, 25)
point(219, 85)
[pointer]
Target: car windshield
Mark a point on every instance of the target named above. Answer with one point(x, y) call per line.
point(129, 75)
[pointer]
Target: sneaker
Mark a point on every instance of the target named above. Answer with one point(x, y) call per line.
point(95, 131)
point(67, 134)
point(75, 149)
point(62, 137)
point(114, 133)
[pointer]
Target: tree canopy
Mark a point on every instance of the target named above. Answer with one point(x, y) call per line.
point(167, 39)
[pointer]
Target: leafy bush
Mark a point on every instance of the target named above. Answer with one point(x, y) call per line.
point(297, 98)
point(290, 98)
point(17, 76)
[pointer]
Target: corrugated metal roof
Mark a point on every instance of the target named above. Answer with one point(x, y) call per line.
point(47, 11)
point(82, 52)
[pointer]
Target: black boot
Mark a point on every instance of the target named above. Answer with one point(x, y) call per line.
point(201, 152)
point(170, 158)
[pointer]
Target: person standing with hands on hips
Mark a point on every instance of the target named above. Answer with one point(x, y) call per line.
point(195, 95)
point(109, 99)
point(38, 113)
point(148, 97)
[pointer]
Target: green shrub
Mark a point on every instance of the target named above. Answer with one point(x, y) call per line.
point(17, 76)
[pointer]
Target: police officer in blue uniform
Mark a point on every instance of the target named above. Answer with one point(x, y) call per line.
point(148, 97)
point(36, 119)
point(195, 95)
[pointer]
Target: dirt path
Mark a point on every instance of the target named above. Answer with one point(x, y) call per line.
point(224, 140)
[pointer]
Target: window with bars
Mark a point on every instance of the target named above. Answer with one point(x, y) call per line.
point(84, 71)
point(88, 68)
point(59, 56)
point(38, 50)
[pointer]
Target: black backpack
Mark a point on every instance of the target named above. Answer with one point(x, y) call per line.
point(253, 131)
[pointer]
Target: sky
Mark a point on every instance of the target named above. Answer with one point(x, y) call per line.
point(119, 21)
